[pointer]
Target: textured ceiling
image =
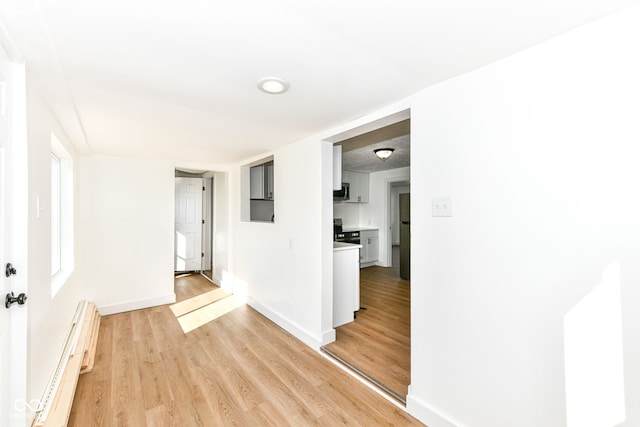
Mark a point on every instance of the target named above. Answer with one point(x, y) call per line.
point(177, 79)
point(358, 155)
point(363, 159)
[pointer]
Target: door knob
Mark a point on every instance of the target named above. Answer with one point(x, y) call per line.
point(9, 270)
point(10, 299)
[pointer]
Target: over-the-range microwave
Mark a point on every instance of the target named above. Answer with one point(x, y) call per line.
point(342, 193)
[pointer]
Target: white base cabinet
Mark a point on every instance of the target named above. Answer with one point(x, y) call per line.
point(346, 283)
point(370, 241)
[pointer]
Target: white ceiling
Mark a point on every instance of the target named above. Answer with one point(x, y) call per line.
point(177, 79)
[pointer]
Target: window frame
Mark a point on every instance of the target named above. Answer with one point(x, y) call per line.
point(62, 233)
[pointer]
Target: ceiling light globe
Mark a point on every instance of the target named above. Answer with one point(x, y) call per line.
point(383, 153)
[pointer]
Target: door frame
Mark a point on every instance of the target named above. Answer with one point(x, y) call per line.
point(209, 226)
point(363, 126)
point(210, 196)
point(390, 183)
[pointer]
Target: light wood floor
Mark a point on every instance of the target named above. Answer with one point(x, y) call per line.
point(378, 341)
point(240, 369)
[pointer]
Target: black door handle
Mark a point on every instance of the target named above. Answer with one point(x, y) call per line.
point(9, 270)
point(10, 299)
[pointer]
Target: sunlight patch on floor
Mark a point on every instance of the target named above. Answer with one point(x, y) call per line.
point(197, 311)
point(206, 314)
point(202, 309)
point(183, 307)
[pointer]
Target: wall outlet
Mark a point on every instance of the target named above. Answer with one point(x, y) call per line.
point(441, 206)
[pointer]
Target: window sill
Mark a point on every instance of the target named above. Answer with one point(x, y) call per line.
point(58, 281)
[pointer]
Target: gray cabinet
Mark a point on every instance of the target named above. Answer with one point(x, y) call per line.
point(261, 182)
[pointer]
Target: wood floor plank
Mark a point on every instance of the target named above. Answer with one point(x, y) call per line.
point(163, 416)
point(192, 403)
point(238, 370)
point(124, 373)
point(237, 380)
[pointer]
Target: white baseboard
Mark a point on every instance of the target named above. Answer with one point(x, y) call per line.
point(328, 336)
point(136, 305)
point(425, 414)
point(285, 324)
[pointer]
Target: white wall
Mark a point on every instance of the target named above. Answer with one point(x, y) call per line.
point(540, 153)
point(49, 317)
point(280, 262)
point(127, 226)
point(348, 212)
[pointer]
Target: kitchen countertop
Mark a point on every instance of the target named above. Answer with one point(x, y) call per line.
point(341, 246)
point(358, 228)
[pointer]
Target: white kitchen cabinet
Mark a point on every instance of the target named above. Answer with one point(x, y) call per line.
point(358, 186)
point(337, 167)
point(346, 283)
point(370, 241)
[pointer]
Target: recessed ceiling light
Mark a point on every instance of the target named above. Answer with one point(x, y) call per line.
point(273, 85)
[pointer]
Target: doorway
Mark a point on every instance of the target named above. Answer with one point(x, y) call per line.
point(377, 344)
point(188, 250)
point(199, 223)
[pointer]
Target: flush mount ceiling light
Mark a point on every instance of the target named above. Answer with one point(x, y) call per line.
point(273, 85)
point(383, 153)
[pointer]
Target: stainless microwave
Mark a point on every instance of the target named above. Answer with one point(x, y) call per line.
point(341, 194)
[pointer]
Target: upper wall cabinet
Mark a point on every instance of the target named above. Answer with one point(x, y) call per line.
point(358, 186)
point(262, 181)
point(337, 167)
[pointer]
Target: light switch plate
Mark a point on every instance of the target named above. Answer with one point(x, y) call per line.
point(441, 206)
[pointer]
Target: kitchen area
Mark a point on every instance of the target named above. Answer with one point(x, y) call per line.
point(371, 298)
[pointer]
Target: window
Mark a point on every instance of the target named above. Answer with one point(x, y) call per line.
point(61, 215)
point(56, 249)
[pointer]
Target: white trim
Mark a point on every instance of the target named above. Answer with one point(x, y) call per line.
point(328, 336)
point(62, 209)
point(136, 305)
point(213, 280)
point(285, 324)
point(372, 387)
point(425, 414)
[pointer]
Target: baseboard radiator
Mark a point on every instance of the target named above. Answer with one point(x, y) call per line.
point(77, 357)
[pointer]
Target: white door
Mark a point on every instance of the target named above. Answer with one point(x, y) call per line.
point(13, 244)
point(188, 224)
